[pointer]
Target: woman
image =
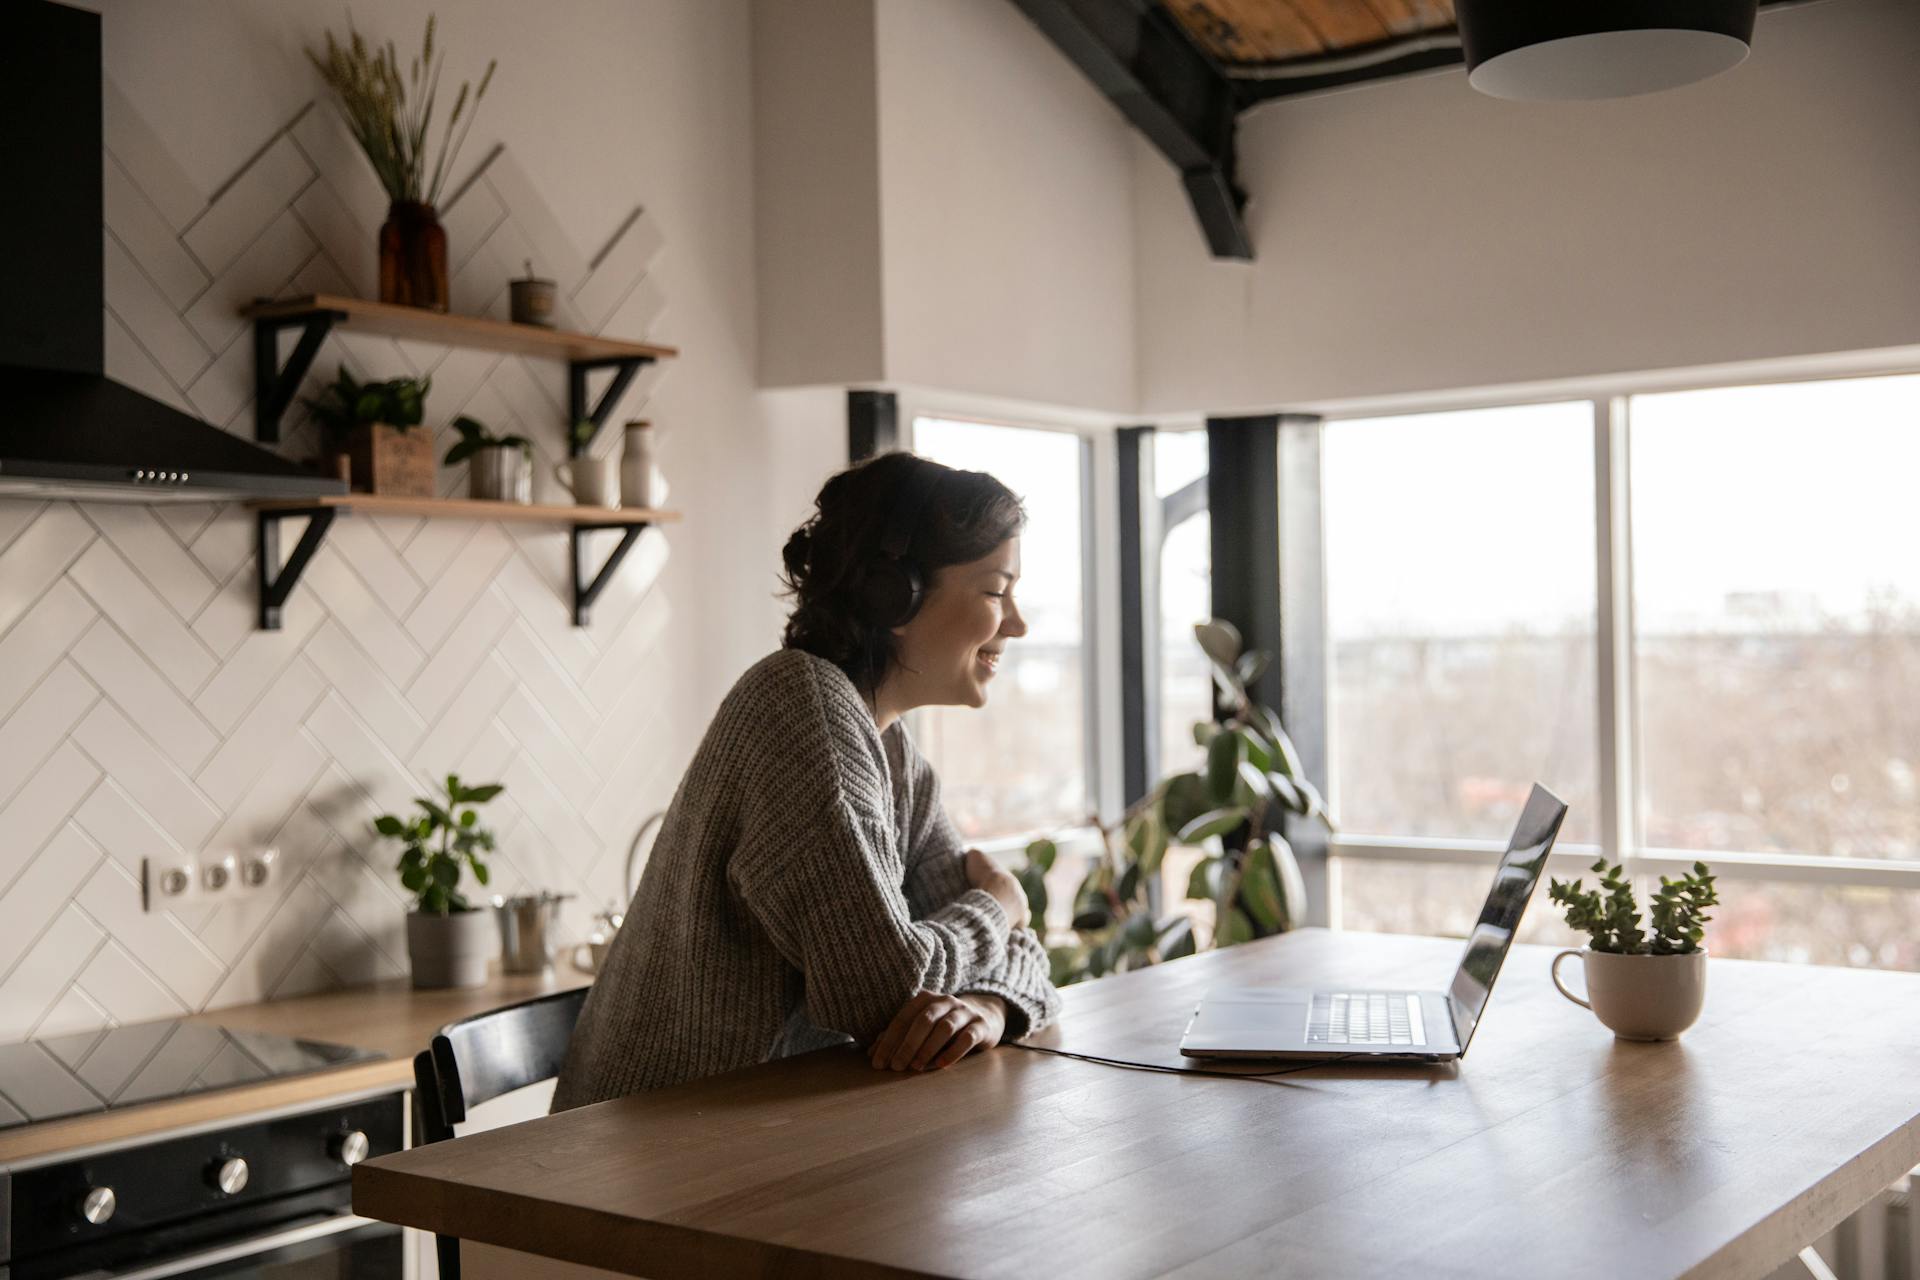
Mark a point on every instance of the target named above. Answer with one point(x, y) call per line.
point(807, 888)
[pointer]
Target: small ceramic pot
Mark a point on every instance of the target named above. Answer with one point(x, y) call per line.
point(1640, 997)
point(450, 950)
point(499, 473)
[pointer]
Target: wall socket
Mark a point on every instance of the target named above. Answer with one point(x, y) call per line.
point(167, 884)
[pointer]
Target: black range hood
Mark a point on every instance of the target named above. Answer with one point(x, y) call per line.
point(66, 429)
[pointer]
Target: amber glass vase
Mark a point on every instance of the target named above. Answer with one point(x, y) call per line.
point(413, 257)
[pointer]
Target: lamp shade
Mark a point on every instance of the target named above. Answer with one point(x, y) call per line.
point(1572, 49)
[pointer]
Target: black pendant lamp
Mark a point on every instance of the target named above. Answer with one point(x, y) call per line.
point(1572, 49)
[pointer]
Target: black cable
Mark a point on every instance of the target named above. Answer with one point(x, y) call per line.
point(1264, 1077)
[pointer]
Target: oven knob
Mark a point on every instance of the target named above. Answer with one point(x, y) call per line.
point(98, 1205)
point(229, 1177)
point(351, 1148)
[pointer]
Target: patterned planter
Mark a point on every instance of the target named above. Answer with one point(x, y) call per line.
point(392, 460)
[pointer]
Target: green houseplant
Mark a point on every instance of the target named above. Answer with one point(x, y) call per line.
point(373, 425)
point(499, 468)
point(1231, 809)
point(391, 116)
point(1642, 983)
point(448, 939)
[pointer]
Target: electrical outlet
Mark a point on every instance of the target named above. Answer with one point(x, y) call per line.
point(169, 884)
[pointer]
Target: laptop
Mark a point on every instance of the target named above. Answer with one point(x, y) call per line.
point(1422, 1026)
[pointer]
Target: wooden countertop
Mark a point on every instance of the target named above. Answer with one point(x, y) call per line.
point(1551, 1151)
point(390, 1018)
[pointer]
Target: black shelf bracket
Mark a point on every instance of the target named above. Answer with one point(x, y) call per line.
point(624, 368)
point(586, 590)
point(274, 383)
point(276, 586)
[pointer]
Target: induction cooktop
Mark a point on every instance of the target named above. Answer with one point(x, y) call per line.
point(147, 1062)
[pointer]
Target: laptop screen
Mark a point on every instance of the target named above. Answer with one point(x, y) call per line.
point(1506, 901)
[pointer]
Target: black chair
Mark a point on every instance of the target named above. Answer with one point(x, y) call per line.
point(477, 1059)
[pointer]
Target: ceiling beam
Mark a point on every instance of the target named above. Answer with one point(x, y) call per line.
point(1138, 56)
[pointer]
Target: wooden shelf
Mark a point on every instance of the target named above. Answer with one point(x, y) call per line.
point(275, 579)
point(317, 314)
point(471, 509)
point(419, 325)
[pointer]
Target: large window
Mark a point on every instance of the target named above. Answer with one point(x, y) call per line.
point(1762, 704)
point(1461, 619)
point(1776, 599)
point(1020, 765)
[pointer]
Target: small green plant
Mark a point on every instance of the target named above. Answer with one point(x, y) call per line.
point(1610, 917)
point(1231, 808)
point(439, 841)
point(349, 403)
point(581, 434)
point(474, 437)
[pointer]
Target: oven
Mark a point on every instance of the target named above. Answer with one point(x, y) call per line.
point(269, 1197)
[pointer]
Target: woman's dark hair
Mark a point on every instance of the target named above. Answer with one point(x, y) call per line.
point(873, 525)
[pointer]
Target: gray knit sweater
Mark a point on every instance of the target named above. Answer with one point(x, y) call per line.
point(806, 882)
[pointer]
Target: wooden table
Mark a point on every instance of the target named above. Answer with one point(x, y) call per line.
point(1553, 1150)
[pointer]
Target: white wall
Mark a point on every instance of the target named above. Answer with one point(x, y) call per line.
point(1414, 235)
point(817, 192)
point(1007, 211)
point(142, 715)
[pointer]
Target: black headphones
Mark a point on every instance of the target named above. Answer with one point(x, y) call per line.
point(893, 588)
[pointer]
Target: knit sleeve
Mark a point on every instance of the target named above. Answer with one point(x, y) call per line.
point(936, 876)
point(818, 868)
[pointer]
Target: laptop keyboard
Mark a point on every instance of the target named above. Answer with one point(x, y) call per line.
point(1365, 1017)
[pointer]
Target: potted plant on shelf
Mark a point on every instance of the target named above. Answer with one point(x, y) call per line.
point(1230, 810)
point(1641, 985)
point(449, 941)
point(374, 424)
point(391, 117)
point(499, 468)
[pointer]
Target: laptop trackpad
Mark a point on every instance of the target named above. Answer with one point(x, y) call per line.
point(1250, 1020)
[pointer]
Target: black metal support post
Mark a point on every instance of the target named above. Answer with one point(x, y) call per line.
point(1243, 498)
point(1139, 555)
point(273, 383)
point(587, 589)
point(873, 424)
point(1138, 56)
point(581, 406)
point(277, 581)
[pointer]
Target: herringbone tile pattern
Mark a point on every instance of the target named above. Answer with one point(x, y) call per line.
point(142, 715)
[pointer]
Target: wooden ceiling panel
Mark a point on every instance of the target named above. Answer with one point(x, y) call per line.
point(1247, 30)
point(1343, 24)
point(1243, 32)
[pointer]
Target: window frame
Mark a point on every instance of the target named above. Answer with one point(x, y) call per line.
point(1620, 754)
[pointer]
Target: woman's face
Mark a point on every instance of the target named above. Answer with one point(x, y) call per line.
point(948, 651)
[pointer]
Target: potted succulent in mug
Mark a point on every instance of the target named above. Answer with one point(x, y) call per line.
point(499, 468)
point(374, 424)
point(449, 940)
point(1641, 985)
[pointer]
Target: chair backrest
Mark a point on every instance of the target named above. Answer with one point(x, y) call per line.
point(477, 1059)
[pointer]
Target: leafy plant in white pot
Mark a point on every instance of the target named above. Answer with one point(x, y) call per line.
point(449, 941)
point(1641, 985)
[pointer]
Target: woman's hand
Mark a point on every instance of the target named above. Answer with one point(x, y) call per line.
point(984, 873)
point(934, 1031)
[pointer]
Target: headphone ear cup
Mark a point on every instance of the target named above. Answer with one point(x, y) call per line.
point(890, 594)
point(915, 592)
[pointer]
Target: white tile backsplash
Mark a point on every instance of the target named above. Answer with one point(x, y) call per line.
point(143, 715)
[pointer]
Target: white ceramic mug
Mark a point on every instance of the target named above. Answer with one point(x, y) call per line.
point(593, 482)
point(1640, 997)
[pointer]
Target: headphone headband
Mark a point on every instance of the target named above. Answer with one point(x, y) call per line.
point(897, 535)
